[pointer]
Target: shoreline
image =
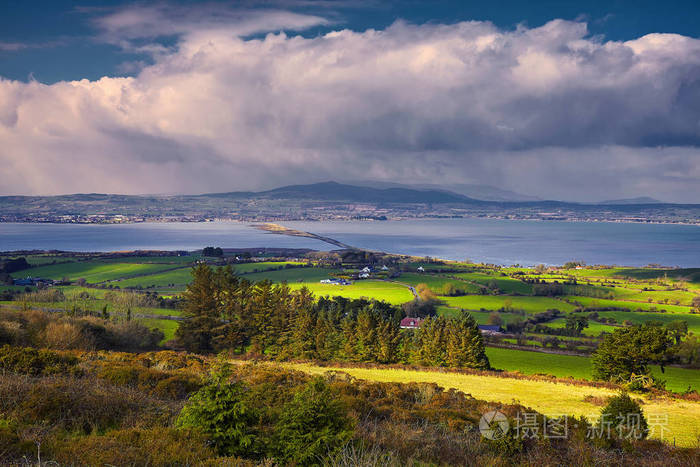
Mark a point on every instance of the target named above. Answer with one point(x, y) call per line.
point(397, 219)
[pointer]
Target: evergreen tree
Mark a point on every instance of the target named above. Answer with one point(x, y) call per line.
point(200, 311)
point(387, 342)
point(366, 336)
point(465, 344)
point(629, 351)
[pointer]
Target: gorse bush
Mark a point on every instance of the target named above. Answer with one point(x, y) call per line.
point(29, 361)
point(624, 417)
point(82, 405)
point(158, 447)
point(56, 331)
point(157, 383)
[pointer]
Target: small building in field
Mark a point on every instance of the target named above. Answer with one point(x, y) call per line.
point(364, 275)
point(490, 329)
point(384, 268)
point(421, 269)
point(411, 323)
point(335, 281)
point(366, 270)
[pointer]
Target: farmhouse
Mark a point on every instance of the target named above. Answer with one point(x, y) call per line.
point(335, 281)
point(411, 323)
point(33, 281)
point(421, 269)
point(490, 329)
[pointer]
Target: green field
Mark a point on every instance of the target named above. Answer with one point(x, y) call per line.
point(505, 284)
point(496, 302)
point(641, 318)
point(481, 317)
point(632, 306)
point(246, 268)
point(390, 292)
point(436, 283)
point(92, 271)
point(564, 366)
point(168, 326)
point(181, 276)
point(593, 329)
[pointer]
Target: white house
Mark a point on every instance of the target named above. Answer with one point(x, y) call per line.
point(366, 270)
point(420, 269)
point(364, 275)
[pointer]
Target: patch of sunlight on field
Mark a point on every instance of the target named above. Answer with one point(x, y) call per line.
point(390, 292)
point(549, 398)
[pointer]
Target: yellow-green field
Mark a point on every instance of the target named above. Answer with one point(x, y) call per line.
point(391, 292)
point(549, 398)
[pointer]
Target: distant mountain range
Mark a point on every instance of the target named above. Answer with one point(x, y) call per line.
point(387, 192)
point(333, 191)
point(479, 192)
point(638, 200)
point(333, 200)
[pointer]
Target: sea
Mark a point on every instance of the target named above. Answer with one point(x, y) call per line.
point(496, 241)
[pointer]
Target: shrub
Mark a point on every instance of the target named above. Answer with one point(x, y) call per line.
point(625, 418)
point(160, 446)
point(219, 411)
point(312, 426)
point(80, 405)
point(13, 447)
point(130, 335)
point(35, 362)
point(176, 387)
point(65, 335)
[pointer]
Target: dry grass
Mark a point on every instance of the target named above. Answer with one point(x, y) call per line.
point(549, 398)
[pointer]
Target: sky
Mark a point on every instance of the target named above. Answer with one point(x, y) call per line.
point(579, 101)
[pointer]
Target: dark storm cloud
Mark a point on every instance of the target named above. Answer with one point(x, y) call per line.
point(546, 110)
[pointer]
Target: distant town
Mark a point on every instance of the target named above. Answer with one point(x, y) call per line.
point(323, 202)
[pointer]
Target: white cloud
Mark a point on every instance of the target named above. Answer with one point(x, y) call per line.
point(547, 110)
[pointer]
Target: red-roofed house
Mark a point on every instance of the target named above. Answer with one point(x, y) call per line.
point(411, 323)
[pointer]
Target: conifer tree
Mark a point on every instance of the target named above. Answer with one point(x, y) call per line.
point(200, 311)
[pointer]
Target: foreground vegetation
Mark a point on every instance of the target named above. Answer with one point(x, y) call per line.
point(275, 310)
point(165, 408)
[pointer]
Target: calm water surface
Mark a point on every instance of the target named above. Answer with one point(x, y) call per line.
point(487, 240)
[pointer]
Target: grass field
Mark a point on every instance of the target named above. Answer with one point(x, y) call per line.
point(168, 326)
point(437, 283)
point(506, 284)
point(174, 260)
point(496, 302)
point(246, 268)
point(182, 277)
point(593, 329)
point(546, 397)
point(92, 271)
point(641, 318)
point(294, 275)
point(564, 366)
point(632, 306)
point(380, 290)
point(481, 317)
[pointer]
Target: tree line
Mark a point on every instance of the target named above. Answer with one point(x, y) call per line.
point(225, 312)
